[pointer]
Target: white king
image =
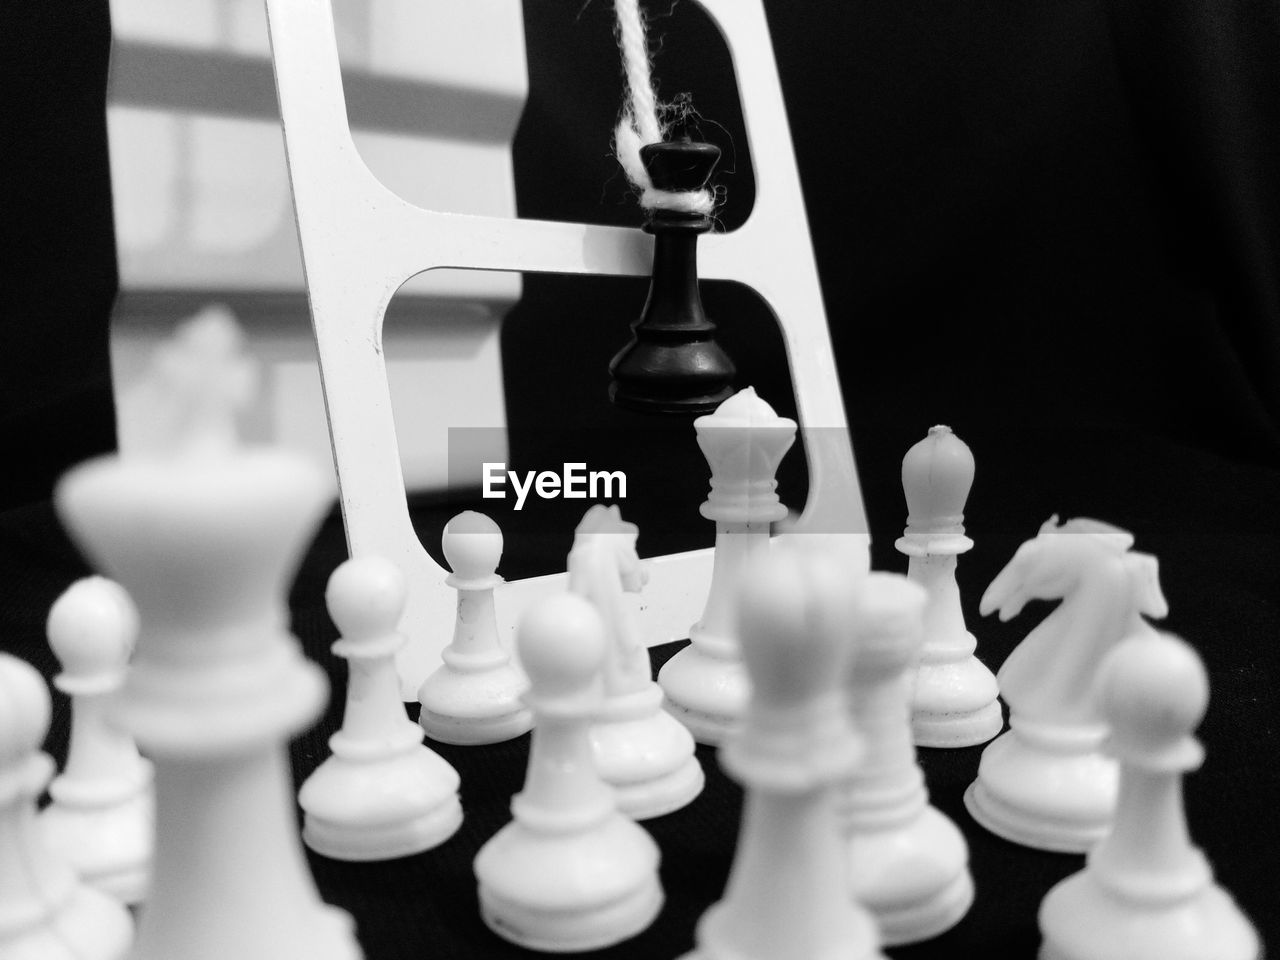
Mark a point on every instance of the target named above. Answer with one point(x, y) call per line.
point(205, 535)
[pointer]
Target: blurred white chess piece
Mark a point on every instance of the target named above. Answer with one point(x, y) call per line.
point(1147, 893)
point(788, 892)
point(101, 818)
point(205, 535)
point(46, 911)
point(908, 863)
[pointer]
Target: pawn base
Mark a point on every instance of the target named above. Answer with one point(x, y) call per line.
point(955, 702)
point(928, 919)
point(707, 694)
point(108, 845)
point(854, 937)
point(914, 878)
point(359, 844)
point(474, 708)
point(953, 730)
point(572, 931)
point(1082, 920)
point(565, 892)
point(475, 731)
point(89, 926)
point(656, 798)
point(380, 809)
point(645, 754)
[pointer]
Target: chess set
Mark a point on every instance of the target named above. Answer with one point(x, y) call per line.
point(177, 828)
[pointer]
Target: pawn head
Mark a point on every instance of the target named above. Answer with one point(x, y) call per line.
point(472, 545)
point(24, 710)
point(890, 624)
point(937, 474)
point(366, 597)
point(794, 618)
point(1153, 691)
point(561, 645)
point(92, 628)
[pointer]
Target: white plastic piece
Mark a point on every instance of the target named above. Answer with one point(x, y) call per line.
point(956, 700)
point(1046, 782)
point(788, 893)
point(46, 912)
point(382, 793)
point(360, 242)
point(570, 872)
point(1147, 893)
point(474, 695)
point(641, 750)
point(743, 441)
point(205, 536)
point(908, 863)
point(101, 818)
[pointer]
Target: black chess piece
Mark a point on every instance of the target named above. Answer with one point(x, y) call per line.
point(672, 363)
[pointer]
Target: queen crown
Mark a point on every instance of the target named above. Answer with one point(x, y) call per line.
point(744, 441)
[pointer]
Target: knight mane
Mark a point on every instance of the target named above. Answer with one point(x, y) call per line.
point(604, 519)
point(1119, 538)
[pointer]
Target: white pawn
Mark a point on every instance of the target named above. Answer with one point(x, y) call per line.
point(956, 701)
point(474, 696)
point(569, 872)
point(46, 911)
point(908, 862)
point(743, 441)
point(102, 816)
point(1147, 893)
point(383, 793)
point(788, 894)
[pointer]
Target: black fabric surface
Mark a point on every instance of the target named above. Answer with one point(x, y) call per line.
point(1054, 225)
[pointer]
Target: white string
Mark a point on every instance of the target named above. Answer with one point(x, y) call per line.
point(639, 124)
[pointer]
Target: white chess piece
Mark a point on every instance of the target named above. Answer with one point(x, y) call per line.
point(1046, 782)
point(46, 911)
point(101, 818)
point(382, 793)
point(908, 863)
point(788, 893)
point(1147, 893)
point(474, 696)
point(743, 441)
point(569, 872)
point(205, 536)
point(640, 749)
point(955, 703)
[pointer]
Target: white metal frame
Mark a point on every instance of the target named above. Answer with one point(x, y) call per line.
point(360, 242)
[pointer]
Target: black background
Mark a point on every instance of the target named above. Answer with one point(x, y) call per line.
point(1052, 225)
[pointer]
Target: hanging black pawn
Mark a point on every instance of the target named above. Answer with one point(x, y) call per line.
point(673, 363)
